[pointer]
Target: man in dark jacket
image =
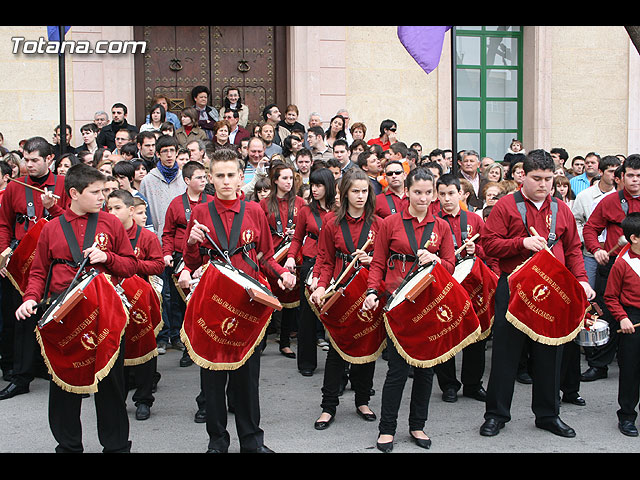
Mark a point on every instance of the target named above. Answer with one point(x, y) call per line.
point(107, 136)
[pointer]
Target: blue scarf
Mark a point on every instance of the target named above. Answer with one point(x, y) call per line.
point(168, 173)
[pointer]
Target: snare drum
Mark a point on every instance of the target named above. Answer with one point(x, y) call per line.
point(358, 336)
point(280, 254)
point(430, 317)
point(480, 283)
point(80, 333)
point(595, 335)
point(226, 317)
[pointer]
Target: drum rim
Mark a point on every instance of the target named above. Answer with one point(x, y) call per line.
point(420, 269)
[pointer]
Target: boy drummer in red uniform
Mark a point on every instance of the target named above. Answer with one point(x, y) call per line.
point(146, 247)
point(113, 255)
point(225, 176)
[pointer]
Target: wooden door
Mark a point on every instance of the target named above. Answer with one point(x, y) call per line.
point(251, 58)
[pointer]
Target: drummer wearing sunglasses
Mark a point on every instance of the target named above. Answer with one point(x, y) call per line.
point(394, 199)
point(392, 260)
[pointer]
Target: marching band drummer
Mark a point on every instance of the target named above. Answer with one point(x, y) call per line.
point(282, 207)
point(21, 208)
point(114, 255)
point(392, 258)
point(226, 173)
point(464, 225)
point(356, 212)
point(507, 237)
point(305, 241)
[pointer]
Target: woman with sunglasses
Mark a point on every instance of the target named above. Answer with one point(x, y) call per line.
point(392, 243)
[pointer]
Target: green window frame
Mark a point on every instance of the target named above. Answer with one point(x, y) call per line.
point(488, 88)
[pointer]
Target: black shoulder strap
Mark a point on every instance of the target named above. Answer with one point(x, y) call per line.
point(411, 234)
point(187, 206)
point(72, 241)
point(522, 208)
point(134, 241)
point(623, 203)
point(227, 243)
point(31, 208)
point(346, 233)
point(392, 205)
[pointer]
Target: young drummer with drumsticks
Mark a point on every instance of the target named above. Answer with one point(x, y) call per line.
point(514, 239)
point(111, 253)
point(623, 301)
point(393, 256)
point(226, 175)
point(343, 239)
point(464, 226)
point(24, 203)
point(305, 242)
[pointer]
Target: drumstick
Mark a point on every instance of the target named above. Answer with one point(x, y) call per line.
point(34, 188)
point(533, 230)
point(634, 326)
point(459, 250)
point(621, 242)
point(329, 292)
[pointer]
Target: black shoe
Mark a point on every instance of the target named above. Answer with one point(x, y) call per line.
point(306, 372)
point(480, 394)
point(593, 373)
point(628, 428)
point(574, 399)
point(288, 354)
point(215, 450)
point(260, 449)
point(557, 427)
point(421, 442)
point(385, 447)
point(143, 412)
point(491, 427)
point(200, 416)
point(185, 361)
point(450, 395)
point(319, 425)
point(12, 390)
point(369, 417)
point(524, 378)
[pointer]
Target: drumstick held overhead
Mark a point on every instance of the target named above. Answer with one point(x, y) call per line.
point(35, 188)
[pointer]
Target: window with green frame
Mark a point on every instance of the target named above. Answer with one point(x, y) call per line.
point(488, 88)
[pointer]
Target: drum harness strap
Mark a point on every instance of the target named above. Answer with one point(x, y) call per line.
point(623, 204)
point(134, 241)
point(411, 235)
point(522, 208)
point(187, 206)
point(348, 240)
point(318, 222)
point(76, 253)
point(31, 208)
point(229, 244)
point(463, 230)
point(392, 205)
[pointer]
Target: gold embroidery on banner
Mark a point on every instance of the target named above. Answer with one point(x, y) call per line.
point(532, 307)
point(76, 331)
point(356, 304)
point(452, 326)
point(211, 334)
point(235, 311)
point(436, 301)
point(553, 284)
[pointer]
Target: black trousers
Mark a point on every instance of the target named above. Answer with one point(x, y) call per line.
point(361, 377)
point(629, 364)
point(244, 382)
point(473, 363)
point(306, 355)
point(24, 350)
point(112, 419)
point(141, 377)
point(570, 369)
point(11, 300)
point(507, 347)
point(603, 355)
point(397, 374)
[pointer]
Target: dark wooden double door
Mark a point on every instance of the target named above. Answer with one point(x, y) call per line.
point(178, 58)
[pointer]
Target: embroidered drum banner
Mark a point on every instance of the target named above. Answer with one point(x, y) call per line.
point(226, 317)
point(480, 283)
point(80, 348)
point(436, 324)
point(22, 257)
point(358, 336)
point(546, 301)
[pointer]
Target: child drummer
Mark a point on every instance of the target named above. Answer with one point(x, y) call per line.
point(113, 255)
point(146, 247)
point(623, 301)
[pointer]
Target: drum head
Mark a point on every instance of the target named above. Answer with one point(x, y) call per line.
point(240, 278)
point(416, 277)
point(58, 302)
point(463, 268)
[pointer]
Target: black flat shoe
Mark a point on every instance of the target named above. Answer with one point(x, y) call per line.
point(200, 416)
point(143, 412)
point(574, 399)
point(12, 390)
point(306, 372)
point(369, 417)
point(480, 395)
point(593, 373)
point(450, 395)
point(628, 428)
point(491, 427)
point(288, 354)
point(386, 447)
point(421, 442)
point(260, 449)
point(320, 425)
point(557, 427)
